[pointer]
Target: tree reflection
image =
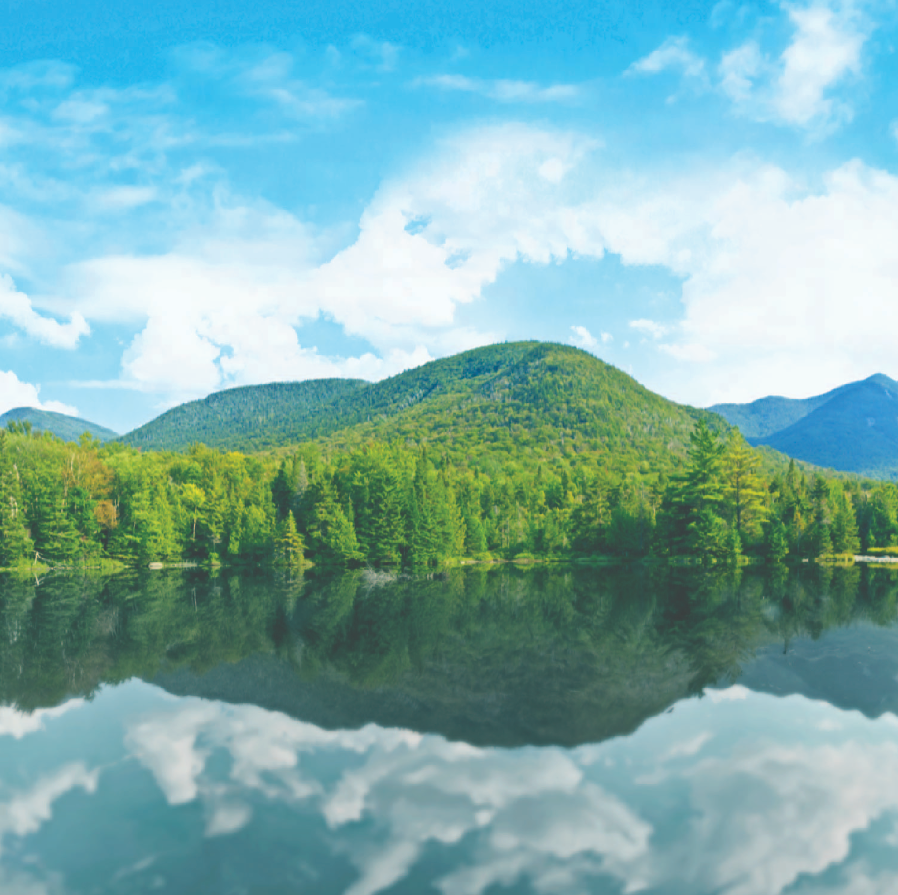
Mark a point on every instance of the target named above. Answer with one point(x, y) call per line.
point(501, 654)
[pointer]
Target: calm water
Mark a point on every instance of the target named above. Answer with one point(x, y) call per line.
point(536, 731)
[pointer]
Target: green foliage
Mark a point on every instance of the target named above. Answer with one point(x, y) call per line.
point(247, 418)
point(532, 399)
point(289, 549)
point(522, 449)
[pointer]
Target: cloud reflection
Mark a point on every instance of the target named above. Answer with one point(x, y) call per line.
point(742, 793)
point(16, 723)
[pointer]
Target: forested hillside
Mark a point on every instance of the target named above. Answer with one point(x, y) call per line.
point(852, 428)
point(531, 399)
point(68, 428)
point(391, 505)
point(248, 418)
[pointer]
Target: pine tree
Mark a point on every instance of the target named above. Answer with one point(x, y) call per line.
point(290, 549)
point(744, 491)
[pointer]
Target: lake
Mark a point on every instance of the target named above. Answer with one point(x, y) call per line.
point(502, 730)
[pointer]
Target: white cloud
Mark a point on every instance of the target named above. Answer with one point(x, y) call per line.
point(674, 53)
point(796, 88)
point(16, 307)
point(224, 304)
point(826, 47)
point(649, 328)
point(771, 271)
point(15, 393)
point(504, 90)
point(738, 70)
point(489, 197)
point(584, 339)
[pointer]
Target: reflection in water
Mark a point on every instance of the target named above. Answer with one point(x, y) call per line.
point(502, 657)
point(738, 793)
point(355, 736)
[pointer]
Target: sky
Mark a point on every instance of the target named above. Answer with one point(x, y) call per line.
point(206, 195)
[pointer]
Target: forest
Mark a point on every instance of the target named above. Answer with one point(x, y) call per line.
point(386, 504)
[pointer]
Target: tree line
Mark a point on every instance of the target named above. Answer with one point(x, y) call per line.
point(389, 505)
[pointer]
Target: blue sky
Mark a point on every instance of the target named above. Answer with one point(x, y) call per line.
point(196, 196)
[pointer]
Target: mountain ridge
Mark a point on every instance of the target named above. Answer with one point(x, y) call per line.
point(853, 428)
point(68, 428)
point(532, 394)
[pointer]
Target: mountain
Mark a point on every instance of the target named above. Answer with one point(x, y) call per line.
point(68, 428)
point(853, 428)
point(532, 397)
point(250, 417)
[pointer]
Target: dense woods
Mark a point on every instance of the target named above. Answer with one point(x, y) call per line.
point(388, 504)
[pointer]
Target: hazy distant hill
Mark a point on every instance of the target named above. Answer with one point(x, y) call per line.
point(521, 396)
point(68, 428)
point(852, 428)
point(256, 416)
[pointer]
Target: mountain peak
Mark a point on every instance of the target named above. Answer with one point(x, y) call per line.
point(853, 428)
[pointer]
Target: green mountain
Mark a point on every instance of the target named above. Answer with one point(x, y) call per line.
point(68, 428)
point(251, 417)
point(853, 428)
point(523, 397)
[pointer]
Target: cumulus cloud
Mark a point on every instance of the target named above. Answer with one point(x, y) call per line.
point(771, 270)
point(223, 306)
point(15, 393)
point(16, 307)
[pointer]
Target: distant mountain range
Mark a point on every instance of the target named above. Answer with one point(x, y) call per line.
point(853, 427)
point(68, 428)
point(535, 397)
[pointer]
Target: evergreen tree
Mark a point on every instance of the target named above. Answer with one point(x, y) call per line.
point(744, 491)
point(290, 549)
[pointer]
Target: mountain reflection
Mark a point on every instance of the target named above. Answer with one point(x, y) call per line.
point(346, 735)
point(499, 656)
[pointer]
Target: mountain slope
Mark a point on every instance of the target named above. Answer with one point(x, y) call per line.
point(533, 397)
point(250, 417)
point(853, 428)
point(68, 428)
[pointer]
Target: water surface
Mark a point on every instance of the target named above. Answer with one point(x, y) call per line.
point(475, 732)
